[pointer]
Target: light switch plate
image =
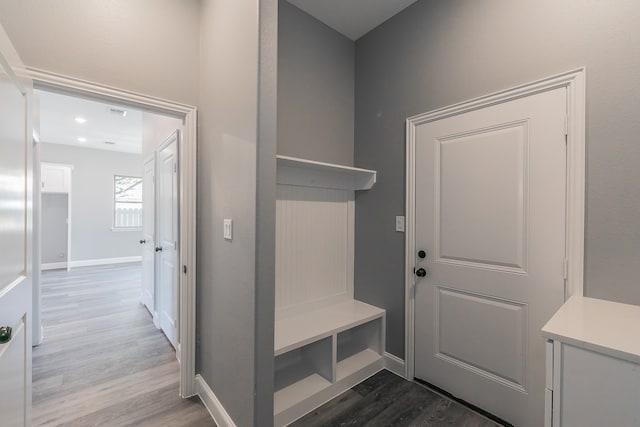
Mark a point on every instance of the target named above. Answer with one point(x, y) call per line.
point(400, 223)
point(228, 229)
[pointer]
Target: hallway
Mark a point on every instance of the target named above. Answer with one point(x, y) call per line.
point(102, 361)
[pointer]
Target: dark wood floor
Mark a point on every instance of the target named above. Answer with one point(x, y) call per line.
point(103, 362)
point(389, 400)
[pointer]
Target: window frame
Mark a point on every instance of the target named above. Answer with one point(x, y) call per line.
point(115, 226)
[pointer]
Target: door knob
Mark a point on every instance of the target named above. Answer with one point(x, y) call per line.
point(142, 242)
point(159, 249)
point(5, 334)
point(422, 254)
point(421, 272)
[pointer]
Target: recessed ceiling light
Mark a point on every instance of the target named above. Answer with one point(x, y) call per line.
point(80, 119)
point(82, 139)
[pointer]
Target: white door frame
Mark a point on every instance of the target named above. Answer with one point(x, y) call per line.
point(574, 82)
point(187, 181)
point(145, 205)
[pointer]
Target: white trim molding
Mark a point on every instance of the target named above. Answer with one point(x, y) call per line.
point(101, 261)
point(213, 405)
point(394, 364)
point(574, 82)
point(53, 266)
point(187, 247)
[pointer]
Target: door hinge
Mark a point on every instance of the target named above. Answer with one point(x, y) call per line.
point(566, 269)
point(566, 128)
point(175, 167)
point(184, 269)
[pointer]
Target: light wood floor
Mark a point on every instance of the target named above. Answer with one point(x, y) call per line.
point(103, 362)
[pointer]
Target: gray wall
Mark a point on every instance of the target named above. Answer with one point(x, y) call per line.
point(436, 53)
point(315, 89)
point(147, 46)
point(233, 340)
point(92, 236)
point(55, 208)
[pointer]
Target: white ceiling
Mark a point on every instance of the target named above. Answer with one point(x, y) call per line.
point(58, 125)
point(353, 18)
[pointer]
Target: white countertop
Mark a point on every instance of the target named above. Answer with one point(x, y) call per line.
point(603, 326)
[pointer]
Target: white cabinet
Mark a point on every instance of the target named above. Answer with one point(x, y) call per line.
point(593, 364)
point(325, 341)
point(55, 178)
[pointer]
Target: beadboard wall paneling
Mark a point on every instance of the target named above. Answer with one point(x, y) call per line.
point(314, 245)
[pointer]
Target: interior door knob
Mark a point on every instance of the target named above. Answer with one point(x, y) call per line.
point(159, 249)
point(142, 242)
point(5, 334)
point(421, 272)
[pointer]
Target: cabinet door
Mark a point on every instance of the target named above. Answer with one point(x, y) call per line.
point(55, 178)
point(597, 390)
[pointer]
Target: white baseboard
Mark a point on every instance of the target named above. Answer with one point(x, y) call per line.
point(53, 265)
point(104, 261)
point(394, 364)
point(213, 405)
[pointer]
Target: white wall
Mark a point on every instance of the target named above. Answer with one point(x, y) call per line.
point(147, 46)
point(155, 130)
point(92, 236)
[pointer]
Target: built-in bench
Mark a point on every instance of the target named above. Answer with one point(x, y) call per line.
point(325, 341)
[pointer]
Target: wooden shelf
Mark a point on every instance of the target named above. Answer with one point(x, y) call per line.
point(309, 173)
point(297, 330)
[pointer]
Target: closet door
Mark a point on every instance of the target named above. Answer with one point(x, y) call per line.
point(167, 237)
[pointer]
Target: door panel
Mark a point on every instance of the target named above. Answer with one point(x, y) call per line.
point(15, 242)
point(472, 328)
point(466, 196)
point(13, 371)
point(167, 215)
point(490, 214)
point(148, 235)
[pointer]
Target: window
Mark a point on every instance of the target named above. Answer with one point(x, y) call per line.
point(127, 211)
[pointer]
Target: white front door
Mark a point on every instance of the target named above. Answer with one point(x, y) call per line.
point(148, 234)
point(167, 236)
point(490, 217)
point(15, 244)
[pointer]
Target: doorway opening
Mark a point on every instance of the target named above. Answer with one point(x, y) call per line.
point(125, 209)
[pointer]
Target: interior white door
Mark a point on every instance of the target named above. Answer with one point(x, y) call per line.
point(167, 236)
point(148, 233)
point(490, 218)
point(15, 244)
